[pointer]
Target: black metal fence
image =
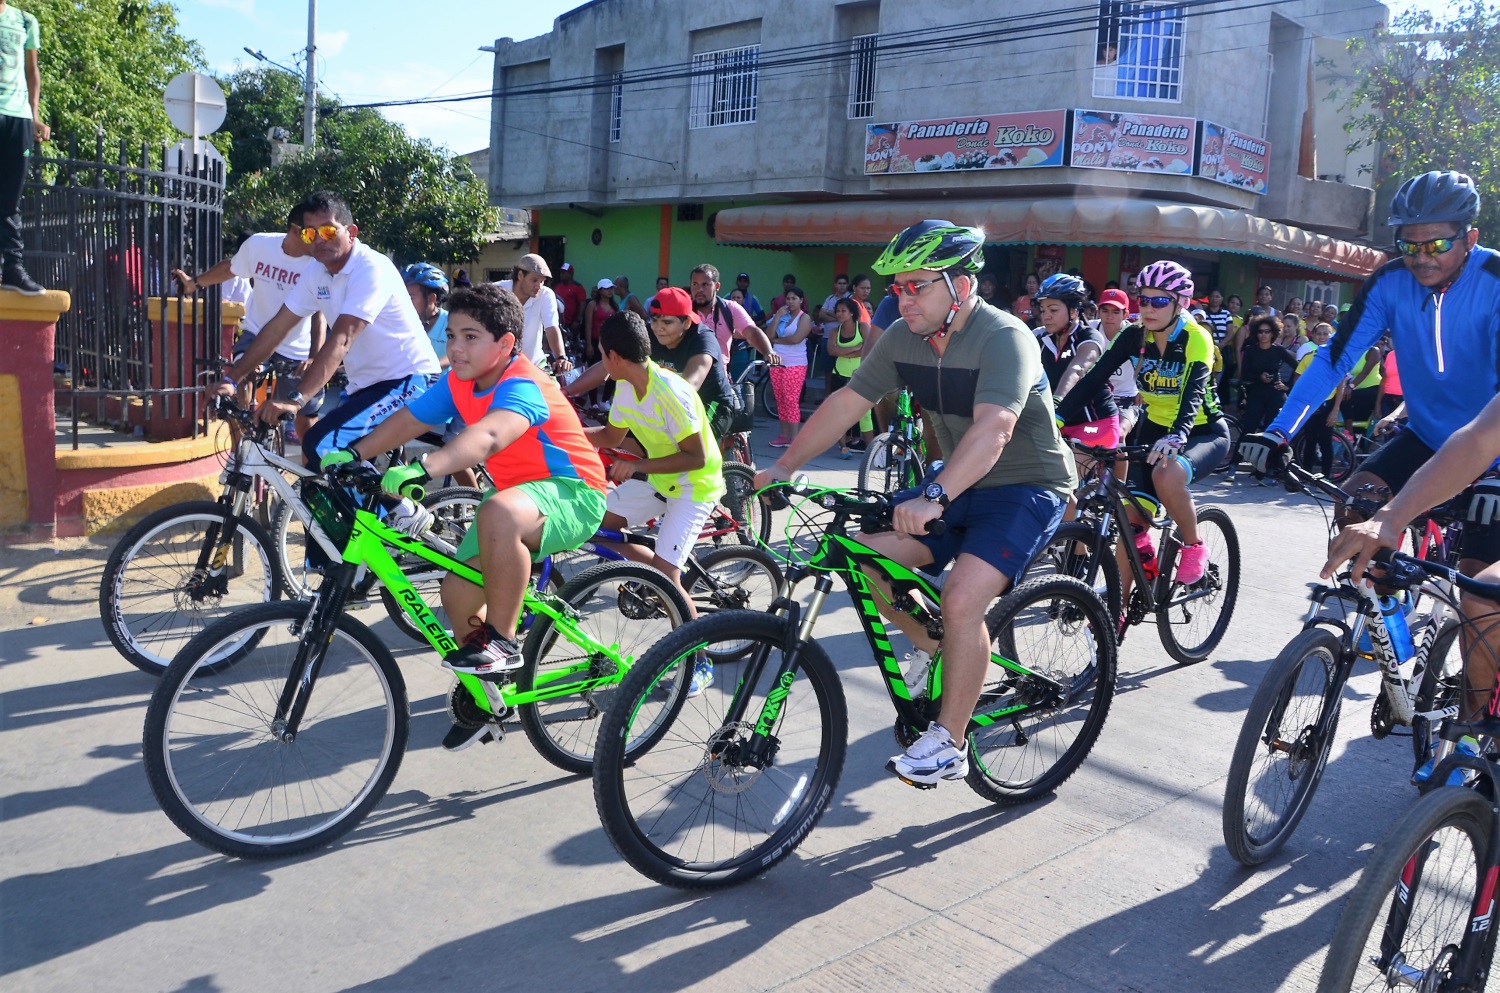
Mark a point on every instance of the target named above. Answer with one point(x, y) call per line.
point(110, 229)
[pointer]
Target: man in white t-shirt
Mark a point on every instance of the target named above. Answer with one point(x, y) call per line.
point(825, 312)
point(274, 263)
point(373, 331)
point(541, 338)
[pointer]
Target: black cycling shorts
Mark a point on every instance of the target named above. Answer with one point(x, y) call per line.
point(1398, 460)
point(1206, 449)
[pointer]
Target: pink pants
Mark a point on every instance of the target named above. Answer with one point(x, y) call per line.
point(787, 382)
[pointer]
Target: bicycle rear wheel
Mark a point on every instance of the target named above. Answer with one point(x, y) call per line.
point(1027, 737)
point(1283, 746)
point(1344, 457)
point(453, 509)
point(700, 806)
point(1192, 620)
point(1410, 913)
point(622, 604)
point(213, 743)
point(735, 577)
point(153, 599)
point(1442, 685)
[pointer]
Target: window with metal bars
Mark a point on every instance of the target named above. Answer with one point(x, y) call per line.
point(862, 76)
point(616, 104)
point(1140, 50)
point(725, 86)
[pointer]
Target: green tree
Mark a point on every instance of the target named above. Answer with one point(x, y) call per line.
point(1427, 95)
point(409, 197)
point(257, 98)
point(105, 65)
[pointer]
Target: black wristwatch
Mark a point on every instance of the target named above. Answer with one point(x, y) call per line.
point(935, 493)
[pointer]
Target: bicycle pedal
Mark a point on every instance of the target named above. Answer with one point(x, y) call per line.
point(920, 786)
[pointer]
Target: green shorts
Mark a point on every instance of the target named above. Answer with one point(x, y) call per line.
point(574, 511)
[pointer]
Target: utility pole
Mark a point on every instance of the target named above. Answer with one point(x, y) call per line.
point(310, 78)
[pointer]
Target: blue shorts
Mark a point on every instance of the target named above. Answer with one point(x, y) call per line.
point(357, 413)
point(1006, 526)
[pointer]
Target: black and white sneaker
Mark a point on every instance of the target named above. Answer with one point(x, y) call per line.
point(460, 737)
point(486, 652)
point(15, 277)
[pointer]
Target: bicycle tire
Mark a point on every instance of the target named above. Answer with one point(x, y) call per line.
point(150, 643)
point(1344, 457)
point(189, 731)
point(1034, 757)
point(885, 470)
point(1223, 563)
point(1058, 557)
point(768, 399)
point(1298, 687)
point(454, 509)
point(750, 513)
point(744, 578)
point(625, 604)
point(1442, 684)
point(687, 761)
point(1445, 824)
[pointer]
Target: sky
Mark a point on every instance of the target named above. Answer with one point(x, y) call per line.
point(384, 49)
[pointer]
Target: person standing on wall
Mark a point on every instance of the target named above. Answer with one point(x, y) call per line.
point(20, 125)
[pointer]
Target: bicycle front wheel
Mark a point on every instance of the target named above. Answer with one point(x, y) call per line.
point(625, 605)
point(706, 802)
point(215, 748)
point(1192, 620)
point(1070, 553)
point(1408, 918)
point(1029, 733)
point(751, 516)
point(153, 598)
point(890, 464)
point(1283, 746)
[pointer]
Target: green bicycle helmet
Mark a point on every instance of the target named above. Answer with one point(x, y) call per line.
point(937, 245)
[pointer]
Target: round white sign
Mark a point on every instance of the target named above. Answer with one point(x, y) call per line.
point(195, 104)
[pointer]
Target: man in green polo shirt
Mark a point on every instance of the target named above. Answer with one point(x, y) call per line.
point(20, 123)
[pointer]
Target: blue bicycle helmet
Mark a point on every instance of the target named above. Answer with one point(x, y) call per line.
point(1064, 287)
point(1435, 198)
point(427, 275)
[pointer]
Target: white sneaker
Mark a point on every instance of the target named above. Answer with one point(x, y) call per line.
point(914, 666)
point(934, 756)
point(410, 518)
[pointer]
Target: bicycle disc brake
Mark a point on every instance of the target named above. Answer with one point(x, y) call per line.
point(637, 604)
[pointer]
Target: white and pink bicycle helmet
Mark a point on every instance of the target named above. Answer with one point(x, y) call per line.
point(1168, 277)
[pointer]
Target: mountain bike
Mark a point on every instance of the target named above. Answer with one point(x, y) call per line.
point(710, 791)
point(1293, 718)
point(184, 566)
point(1422, 915)
point(896, 459)
point(275, 730)
point(1191, 620)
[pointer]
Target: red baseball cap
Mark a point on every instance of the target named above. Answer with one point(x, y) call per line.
point(673, 302)
point(1115, 298)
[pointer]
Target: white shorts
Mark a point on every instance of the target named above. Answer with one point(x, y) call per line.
point(681, 519)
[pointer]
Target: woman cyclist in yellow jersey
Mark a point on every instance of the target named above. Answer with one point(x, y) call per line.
point(1174, 356)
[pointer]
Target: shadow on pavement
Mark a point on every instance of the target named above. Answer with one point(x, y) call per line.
point(48, 915)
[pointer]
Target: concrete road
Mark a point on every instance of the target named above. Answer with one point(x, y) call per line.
point(487, 869)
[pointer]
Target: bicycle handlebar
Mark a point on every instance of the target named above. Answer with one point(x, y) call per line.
point(1403, 571)
point(865, 504)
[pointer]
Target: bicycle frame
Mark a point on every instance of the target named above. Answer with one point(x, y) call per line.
point(368, 549)
point(839, 554)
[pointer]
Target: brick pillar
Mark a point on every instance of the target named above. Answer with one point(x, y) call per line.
point(174, 323)
point(28, 423)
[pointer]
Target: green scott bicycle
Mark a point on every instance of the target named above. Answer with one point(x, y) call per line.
point(710, 791)
point(276, 729)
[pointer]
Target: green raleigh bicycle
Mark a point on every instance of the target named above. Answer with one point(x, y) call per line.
point(276, 729)
point(713, 790)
